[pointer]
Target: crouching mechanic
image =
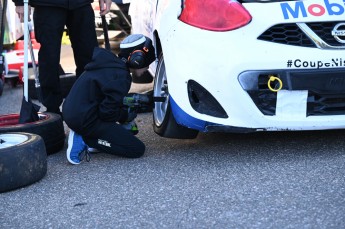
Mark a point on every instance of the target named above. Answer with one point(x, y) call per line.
point(94, 110)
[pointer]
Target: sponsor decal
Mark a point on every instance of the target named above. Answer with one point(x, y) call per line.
point(298, 63)
point(307, 9)
point(104, 142)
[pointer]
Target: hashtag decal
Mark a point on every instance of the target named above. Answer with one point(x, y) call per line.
point(289, 63)
point(317, 64)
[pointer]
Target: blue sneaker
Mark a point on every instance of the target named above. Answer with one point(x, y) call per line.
point(76, 147)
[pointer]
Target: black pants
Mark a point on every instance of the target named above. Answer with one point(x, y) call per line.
point(49, 25)
point(112, 138)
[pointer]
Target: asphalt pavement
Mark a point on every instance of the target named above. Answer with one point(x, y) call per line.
point(263, 180)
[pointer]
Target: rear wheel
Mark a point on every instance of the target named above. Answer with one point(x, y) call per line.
point(164, 123)
point(23, 160)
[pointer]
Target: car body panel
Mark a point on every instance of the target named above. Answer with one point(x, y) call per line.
point(217, 59)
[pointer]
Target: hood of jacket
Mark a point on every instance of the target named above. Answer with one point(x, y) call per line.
point(103, 58)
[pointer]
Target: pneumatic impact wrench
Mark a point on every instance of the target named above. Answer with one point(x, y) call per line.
point(139, 103)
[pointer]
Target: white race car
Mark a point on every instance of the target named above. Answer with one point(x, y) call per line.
point(245, 66)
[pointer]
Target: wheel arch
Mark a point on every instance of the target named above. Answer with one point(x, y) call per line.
point(164, 122)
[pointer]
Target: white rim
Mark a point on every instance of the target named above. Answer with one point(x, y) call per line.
point(161, 90)
point(9, 140)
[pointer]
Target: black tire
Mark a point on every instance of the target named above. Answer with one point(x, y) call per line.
point(66, 82)
point(23, 160)
point(145, 78)
point(49, 127)
point(13, 81)
point(164, 123)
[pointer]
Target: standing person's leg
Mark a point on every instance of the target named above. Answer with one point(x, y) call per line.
point(49, 24)
point(82, 32)
point(112, 138)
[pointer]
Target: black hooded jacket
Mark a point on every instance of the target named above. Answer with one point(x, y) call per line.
point(68, 4)
point(98, 93)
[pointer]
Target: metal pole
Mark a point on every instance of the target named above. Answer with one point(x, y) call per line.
point(26, 38)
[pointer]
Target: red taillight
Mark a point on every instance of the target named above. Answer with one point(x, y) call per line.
point(215, 15)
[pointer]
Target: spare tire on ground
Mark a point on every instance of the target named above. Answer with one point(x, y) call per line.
point(49, 127)
point(66, 82)
point(23, 160)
